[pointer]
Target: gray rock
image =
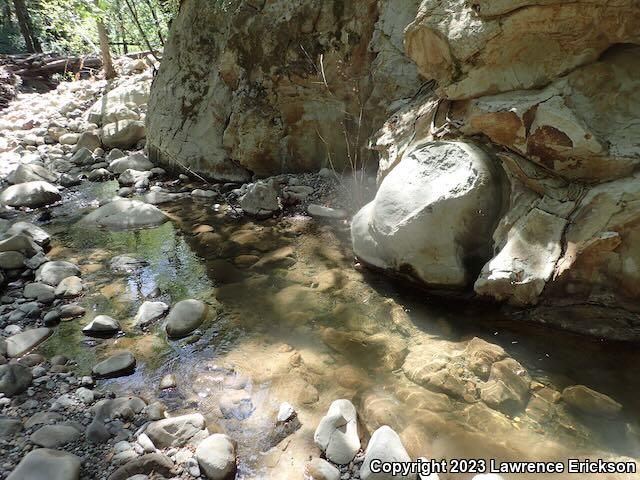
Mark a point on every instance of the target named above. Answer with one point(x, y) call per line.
point(216, 457)
point(89, 140)
point(43, 418)
point(145, 442)
point(131, 177)
point(30, 194)
point(125, 264)
point(69, 287)
point(176, 431)
point(40, 236)
point(52, 273)
point(385, 445)
point(18, 345)
point(124, 134)
point(155, 463)
point(319, 211)
point(123, 363)
point(9, 427)
point(125, 214)
point(589, 401)
point(20, 243)
point(168, 381)
point(138, 162)
point(55, 436)
point(83, 156)
point(148, 312)
point(97, 432)
point(337, 432)
point(69, 180)
point(261, 200)
point(114, 155)
point(185, 317)
point(118, 407)
point(31, 173)
point(99, 175)
point(67, 312)
point(11, 260)
point(101, 325)
point(14, 379)
point(38, 290)
point(46, 464)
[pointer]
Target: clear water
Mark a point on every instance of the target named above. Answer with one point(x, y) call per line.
point(271, 340)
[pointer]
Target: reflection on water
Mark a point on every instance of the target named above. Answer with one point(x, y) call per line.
point(294, 321)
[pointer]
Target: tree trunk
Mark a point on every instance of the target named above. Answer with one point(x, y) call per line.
point(6, 13)
point(26, 27)
point(107, 64)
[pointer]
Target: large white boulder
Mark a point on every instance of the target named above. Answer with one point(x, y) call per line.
point(31, 173)
point(121, 102)
point(122, 134)
point(433, 215)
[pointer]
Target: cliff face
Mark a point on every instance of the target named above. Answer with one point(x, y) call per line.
point(266, 87)
point(529, 129)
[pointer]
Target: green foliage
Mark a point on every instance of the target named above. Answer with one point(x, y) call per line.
point(69, 26)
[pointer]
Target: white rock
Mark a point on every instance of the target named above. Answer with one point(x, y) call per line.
point(337, 432)
point(216, 456)
point(385, 445)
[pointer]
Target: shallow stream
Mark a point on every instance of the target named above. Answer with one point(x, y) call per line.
point(292, 319)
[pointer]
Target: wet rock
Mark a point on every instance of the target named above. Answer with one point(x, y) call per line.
point(384, 445)
point(99, 175)
point(101, 325)
point(318, 469)
point(69, 180)
point(40, 236)
point(123, 363)
point(184, 317)
point(146, 464)
point(52, 273)
point(55, 436)
point(177, 431)
point(124, 214)
point(125, 264)
point(149, 312)
point(216, 457)
point(14, 379)
point(30, 194)
point(11, 260)
point(261, 200)
point(47, 464)
point(337, 433)
point(137, 162)
point(589, 401)
point(31, 173)
point(320, 211)
point(124, 134)
point(69, 287)
point(508, 387)
point(236, 404)
point(18, 345)
point(9, 427)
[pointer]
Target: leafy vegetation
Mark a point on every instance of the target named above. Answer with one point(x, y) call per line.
point(71, 26)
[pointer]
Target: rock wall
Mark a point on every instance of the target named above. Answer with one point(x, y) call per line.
point(264, 87)
point(550, 91)
point(506, 132)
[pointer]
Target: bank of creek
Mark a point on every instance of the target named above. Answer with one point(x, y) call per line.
point(289, 317)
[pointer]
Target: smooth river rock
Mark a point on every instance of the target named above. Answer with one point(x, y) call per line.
point(337, 432)
point(137, 162)
point(47, 464)
point(216, 457)
point(118, 365)
point(30, 194)
point(177, 431)
point(184, 317)
point(52, 273)
point(384, 445)
point(14, 379)
point(148, 312)
point(125, 214)
point(54, 436)
point(589, 401)
point(101, 325)
point(21, 343)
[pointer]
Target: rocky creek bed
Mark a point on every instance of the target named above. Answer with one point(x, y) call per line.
point(157, 326)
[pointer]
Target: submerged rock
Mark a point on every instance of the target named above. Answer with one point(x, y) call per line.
point(589, 401)
point(184, 317)
point(123, 363)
